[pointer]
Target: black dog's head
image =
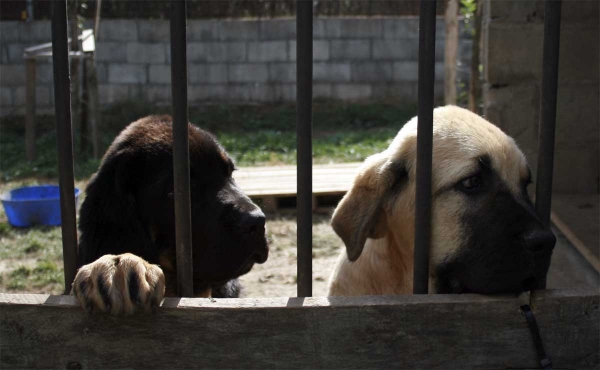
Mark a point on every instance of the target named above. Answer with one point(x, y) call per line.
point(129, 206)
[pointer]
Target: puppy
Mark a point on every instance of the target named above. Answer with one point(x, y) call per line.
point(127, 222)
point(485, 238)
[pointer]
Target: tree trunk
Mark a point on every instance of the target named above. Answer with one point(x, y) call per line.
point(474, 84)
point(451, 51)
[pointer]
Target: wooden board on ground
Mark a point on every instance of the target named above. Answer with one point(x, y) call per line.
point(385, 332)
point(578, 218)
point(270, 183)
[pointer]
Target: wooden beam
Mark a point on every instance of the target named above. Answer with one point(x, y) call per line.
point(385, 332)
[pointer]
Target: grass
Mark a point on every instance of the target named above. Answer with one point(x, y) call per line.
point(253, 134)
point(31, 259)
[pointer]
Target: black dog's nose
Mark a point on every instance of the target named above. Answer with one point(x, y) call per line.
point(539, 240)
point(252, 223)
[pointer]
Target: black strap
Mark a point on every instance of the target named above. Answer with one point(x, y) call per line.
point(545, 361)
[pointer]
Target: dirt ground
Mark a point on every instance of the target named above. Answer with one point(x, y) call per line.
point(277, 276)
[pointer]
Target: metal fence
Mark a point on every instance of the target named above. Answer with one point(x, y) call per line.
point(304, 11)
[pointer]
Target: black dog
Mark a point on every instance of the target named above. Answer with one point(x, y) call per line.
point(128, 217)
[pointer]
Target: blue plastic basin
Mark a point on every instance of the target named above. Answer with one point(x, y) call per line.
point(32, 205)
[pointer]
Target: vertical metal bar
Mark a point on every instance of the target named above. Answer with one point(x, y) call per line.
point(304, 52)
point(181, 158)
point(424, 145)
point(543, 191)
point(62, 106)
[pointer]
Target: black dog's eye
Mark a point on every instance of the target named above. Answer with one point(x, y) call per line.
point(472, 183)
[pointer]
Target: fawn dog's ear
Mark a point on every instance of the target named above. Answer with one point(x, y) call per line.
point(360, 214)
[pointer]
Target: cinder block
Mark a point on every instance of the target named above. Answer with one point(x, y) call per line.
point(324, 91)
point(157, 93)
point(515, 110)
point(248, 73)
point(44, 74)
point(285, 92)
point(514, 52)
point(41, 31)
point(216, 52)
point(354, 28)
point(319, 30)
point(331, 72)
point(372, 72)
point(154, 30)
point(282, 72)
point(109, 94)
point(208, 73)
point(159, 74)
point(352, 91)
point(576, 170)
point(223, 30)
point(439, 72)
point(406, 49)
point(102, 72)
point(350, 49)
point(12, 75)
point(4, 54)
point(238, 93)
point(260, 92)
point(118, 30)
point(126, 74)
point(111, 52)
point(320, 50)
point(9, 31)
point(15, 52)
point(267, 51)
point(406, 71)
point(146, 53)
point(42, 96)
point(517, 11)
point(6, 97)
point(407, 91)
point(202, 93)
point(277, 29)
point(440, 48)
point(401, 28)
point(577, 115)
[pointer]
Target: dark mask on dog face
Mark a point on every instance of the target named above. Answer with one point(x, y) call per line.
point(506, 247)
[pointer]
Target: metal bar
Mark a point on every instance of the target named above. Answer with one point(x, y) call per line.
point(304, 52)
point(181, 158)
point(543, 191)
point(424, 145)
point(62, 106)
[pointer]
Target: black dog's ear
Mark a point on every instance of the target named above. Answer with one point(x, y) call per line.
point(109, 220)
point(360, 214)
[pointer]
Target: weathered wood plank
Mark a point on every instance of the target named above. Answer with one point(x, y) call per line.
point(434, 332)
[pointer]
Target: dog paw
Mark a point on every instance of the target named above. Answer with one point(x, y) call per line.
point(119, 284)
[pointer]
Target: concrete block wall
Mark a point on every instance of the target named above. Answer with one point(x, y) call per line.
point(237, 60)
point(513, 39)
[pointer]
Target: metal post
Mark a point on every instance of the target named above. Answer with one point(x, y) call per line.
point(62, 106)
point(543, 191)
point(181, 158)
point(424, 145)
point(304, 52)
